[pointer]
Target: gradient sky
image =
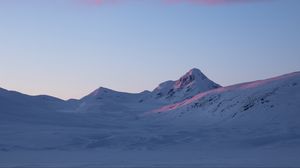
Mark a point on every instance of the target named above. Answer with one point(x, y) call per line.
point(67, 48)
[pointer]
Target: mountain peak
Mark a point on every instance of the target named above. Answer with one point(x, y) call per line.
point(194, 75)
point(99, 91)
point(195, 71)
point(190, 84)
point(103, 89)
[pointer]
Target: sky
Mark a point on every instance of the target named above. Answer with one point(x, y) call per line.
point(68, 48)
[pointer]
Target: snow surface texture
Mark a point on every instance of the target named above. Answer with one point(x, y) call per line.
point(191, 122)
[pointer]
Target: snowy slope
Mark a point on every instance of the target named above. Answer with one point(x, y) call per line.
point(16, 107)
point(241, 98)
point(107, 100)
point(15, 101)
point(261, 113)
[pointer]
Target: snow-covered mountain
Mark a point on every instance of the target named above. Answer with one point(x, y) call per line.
point(254, 103)
point(107, 100)
point(104, 99)
point(16, 101)
point(204, 121)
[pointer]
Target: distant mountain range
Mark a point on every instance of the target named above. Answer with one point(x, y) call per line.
point(104, 99)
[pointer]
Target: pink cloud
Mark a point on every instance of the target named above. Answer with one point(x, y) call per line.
point(102, 2)
point(211, 2)
point(172, 2)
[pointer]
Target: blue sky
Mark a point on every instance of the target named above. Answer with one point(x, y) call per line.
point(67, 48)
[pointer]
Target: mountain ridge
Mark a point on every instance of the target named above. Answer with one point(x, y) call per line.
point(161, 95)
point(145, 91)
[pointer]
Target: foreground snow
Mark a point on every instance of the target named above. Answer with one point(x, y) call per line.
point(146, 159)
